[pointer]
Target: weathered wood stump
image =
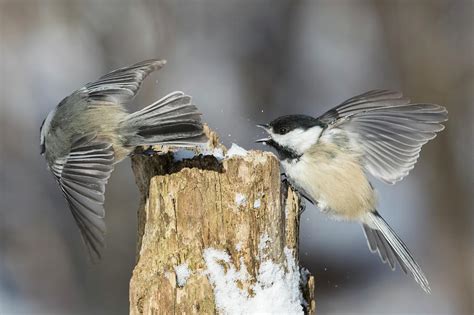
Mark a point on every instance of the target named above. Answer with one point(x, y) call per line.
point(217, 236)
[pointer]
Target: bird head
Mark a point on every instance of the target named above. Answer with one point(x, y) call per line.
point(293, 133)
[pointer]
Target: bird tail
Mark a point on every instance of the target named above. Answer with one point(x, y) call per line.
point(381, 237)
point(172, 120)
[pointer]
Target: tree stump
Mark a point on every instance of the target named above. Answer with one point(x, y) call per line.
point(217, 235)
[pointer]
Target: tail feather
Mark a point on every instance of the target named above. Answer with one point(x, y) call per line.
point(172, 101)
point(381, 237)
point(171, 120)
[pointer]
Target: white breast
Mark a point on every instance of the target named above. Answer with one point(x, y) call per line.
point(334, 179)
point(299, 173)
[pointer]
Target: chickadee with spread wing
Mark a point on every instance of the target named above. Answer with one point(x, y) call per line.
point(326, 159)
point(90, 131)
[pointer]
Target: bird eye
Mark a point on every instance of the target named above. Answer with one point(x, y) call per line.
point(283, 130)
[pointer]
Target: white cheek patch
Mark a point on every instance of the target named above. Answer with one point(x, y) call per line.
point(298, 140)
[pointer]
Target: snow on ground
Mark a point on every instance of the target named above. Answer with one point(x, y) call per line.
point(276, 291)
point(182, 274)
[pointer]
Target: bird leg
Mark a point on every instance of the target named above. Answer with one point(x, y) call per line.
point(301, 196)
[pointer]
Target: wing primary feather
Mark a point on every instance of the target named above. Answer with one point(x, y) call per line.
point(387, 130)
point(121, 85)
point(82, 176)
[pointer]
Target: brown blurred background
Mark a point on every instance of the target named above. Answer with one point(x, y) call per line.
point(244, 62)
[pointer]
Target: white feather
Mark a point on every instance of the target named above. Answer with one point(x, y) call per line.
point(299, 140)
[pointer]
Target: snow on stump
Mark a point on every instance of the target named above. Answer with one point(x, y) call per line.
point(217, 234)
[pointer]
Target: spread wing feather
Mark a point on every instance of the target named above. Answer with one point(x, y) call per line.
point(82, 176)
point(389, 130)
point(119, 86)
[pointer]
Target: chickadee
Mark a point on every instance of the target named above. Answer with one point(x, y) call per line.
point(90, 131)
point(327, 160)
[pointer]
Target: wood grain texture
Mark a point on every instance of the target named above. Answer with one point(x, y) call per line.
point(192, 205)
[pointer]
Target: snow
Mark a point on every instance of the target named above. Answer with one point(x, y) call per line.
point(182, 274)
point(276, 291)
point(235, 150)
point(262, 244)
point(238, 246)
point(256, 204)
point(304, 275)
point(184, 154)
point(218, 153)
point(240, 199)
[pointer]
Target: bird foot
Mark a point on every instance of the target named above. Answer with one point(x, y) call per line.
point(301, 197)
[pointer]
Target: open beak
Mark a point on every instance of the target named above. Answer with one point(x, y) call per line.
point(263, 140)
point(265, 127)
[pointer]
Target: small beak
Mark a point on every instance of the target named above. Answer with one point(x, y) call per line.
point(263, 140)
point(264, 126)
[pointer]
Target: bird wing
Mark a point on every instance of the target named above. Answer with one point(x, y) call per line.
point(388, 128)
point(82, 176)
point(119, 86)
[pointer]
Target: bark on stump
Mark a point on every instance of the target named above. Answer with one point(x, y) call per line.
point(236, 206)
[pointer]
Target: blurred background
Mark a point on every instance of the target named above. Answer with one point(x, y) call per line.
point(244, 62)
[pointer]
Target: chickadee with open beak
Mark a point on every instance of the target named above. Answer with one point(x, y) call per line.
point(90, 131)
point(327, 160)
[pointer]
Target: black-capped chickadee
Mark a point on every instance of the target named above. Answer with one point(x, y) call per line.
point(326, 159)
point(90, 130)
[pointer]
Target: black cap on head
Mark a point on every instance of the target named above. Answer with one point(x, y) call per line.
point(285, 124)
